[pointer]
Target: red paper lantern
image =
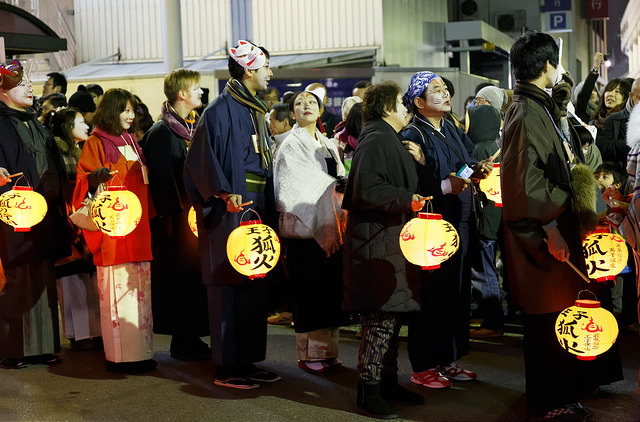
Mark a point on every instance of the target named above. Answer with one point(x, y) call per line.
point(116, 211)
point(253, 249)
point(491, 185)
point(586, 330)
point(428, 240)
point(22, 208)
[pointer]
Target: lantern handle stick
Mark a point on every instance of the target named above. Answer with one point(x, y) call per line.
point(244, 204)
point(11, 176)
point(426, 198)
point(494, 156)
point(578, 271)
point(584, 277)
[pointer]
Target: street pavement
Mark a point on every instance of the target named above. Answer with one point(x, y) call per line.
point(80, 389)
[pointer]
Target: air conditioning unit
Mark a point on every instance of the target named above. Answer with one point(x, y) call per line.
point(510, 21)
point(473, 10)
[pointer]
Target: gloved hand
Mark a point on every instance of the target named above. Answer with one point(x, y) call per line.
point(341, 185)
point(561, 93)
point(99, 175)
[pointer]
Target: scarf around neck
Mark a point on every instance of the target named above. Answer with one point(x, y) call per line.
point(24, 116)
point(112, 142)
point(184, 128)
point(529, 90)
point(258, 110)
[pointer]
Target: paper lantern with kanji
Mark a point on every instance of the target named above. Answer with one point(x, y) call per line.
point(253, 249)
point(116, 211)
point(22, 208)
point(191, 219)
point(491, 185)
point(428, 240)
point(606, 255)
point(586, 330)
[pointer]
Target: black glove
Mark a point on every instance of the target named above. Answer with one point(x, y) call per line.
point(99, 175)
point(341, 185)
point(561, 93)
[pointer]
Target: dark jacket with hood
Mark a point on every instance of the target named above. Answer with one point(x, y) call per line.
point(484, 132)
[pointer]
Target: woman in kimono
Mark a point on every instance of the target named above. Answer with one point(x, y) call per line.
point(123, 267)
point(308, 176)
point(75, 274)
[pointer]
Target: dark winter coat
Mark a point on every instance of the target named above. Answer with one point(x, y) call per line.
point(484, 131)
point(49, 239)
point(382, 180)
point(535, 191)
point(612, 138)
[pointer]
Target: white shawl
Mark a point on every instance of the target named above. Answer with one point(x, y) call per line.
point(304, 189)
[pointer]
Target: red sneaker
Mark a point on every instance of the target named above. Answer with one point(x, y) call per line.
point(430, 379)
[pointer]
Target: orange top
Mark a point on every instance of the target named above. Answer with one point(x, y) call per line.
point(136, 246)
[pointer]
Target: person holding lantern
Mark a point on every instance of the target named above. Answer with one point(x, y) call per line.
point(309, 181)
point(28, 305)
point(542, 231)
point(381, 195)
point(122, 263)
point(178, 295)
point(228, 167)
point(439, 336)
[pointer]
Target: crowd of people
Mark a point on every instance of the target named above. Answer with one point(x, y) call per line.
point(338, 190)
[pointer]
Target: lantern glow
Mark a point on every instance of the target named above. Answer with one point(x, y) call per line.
point(605, 254)
point(22, 208)
point(253, 249)
point(116, 211)
point(191, 219)
point(428, 240)
point(491, 185)
point(586, 330)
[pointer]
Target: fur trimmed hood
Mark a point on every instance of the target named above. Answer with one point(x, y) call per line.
point(633, 127)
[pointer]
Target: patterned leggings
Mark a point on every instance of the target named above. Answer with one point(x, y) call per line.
point(378, 353)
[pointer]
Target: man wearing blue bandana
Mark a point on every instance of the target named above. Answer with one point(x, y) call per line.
point(439, 336)
point(229, 164)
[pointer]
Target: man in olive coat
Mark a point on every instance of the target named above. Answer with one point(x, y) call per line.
point(541, 232)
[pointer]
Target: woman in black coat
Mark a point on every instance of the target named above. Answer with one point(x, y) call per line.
point(379, 282)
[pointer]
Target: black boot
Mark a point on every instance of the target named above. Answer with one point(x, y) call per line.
point(369, 399)
point(391, 390)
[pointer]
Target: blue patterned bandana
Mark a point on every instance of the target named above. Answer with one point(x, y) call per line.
point(418, 84)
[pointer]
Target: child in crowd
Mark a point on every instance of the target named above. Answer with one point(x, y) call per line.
point(610, 174)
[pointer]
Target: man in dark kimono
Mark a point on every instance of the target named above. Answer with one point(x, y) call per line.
point(229, 164)
point(178, 295)
point(28, 303)
point(440, 334)
point(541, 232)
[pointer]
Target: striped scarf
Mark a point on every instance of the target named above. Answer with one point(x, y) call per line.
point(258, 111)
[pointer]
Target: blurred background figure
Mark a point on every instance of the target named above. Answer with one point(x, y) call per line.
point(327, 121)
point(84, 102)
point(360, 88)
point(96, 93)
point(51, 102)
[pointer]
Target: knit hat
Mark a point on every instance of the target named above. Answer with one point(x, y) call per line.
point(82, 100)
point(496, 96)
